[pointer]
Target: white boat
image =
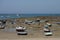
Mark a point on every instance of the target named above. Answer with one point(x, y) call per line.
point(28, 22)
point(48, 33)
point(21, 30)
point(2, 27)
point(49, 24)
point(46, 29)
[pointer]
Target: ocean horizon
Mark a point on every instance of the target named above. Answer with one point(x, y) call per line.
point(3, 16)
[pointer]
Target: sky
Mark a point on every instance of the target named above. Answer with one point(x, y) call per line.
point(29, 6)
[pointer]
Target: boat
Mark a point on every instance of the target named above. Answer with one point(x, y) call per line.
point(21, 30)
point(49, 24)
point(46, 29)
point(48, 33)
point(2, 24)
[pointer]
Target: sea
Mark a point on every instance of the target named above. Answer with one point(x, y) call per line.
point(4, 16)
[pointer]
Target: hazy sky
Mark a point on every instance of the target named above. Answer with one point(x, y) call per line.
point(29, 6)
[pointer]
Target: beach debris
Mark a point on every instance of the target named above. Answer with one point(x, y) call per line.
point(21, 30)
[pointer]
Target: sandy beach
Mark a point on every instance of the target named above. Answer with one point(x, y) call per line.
point(35, 31)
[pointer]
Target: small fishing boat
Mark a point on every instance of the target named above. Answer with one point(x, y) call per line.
point(21, 30)
point(2, 24)
point(48, 33)
point(46, 29)
point(2, 27)
point(49, 24)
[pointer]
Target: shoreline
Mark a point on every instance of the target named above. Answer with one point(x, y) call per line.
point(33, 29)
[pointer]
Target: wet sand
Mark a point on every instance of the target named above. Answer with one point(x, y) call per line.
point(35, 31)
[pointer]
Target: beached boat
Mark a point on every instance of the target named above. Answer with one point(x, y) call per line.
point(48, 33)
point(2, 27)
point(28, 22)
point(49, 24)
point(46, 29)
point(57, 23)
point(46, 26)
point(2, 24)
point(21, 30)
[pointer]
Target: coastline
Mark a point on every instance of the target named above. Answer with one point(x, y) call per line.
point(33, 29)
